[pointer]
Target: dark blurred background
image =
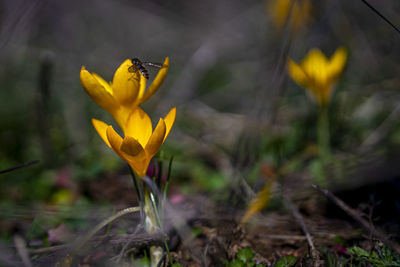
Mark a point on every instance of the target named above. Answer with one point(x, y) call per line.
point(237, 107)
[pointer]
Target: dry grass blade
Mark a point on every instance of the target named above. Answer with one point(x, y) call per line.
point(87, 237)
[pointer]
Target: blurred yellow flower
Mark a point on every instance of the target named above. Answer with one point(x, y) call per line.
point(127, 90)
point(295, 12)
point(140, 143)
point(261, 200)
point(317, 73)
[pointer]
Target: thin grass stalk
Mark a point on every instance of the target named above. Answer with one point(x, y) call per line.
point(105, 222)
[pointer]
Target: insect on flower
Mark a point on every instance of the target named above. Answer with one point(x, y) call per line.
point(137, 65)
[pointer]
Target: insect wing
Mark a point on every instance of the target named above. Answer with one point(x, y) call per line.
point(157, 65)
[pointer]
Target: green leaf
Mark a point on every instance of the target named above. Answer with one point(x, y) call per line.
point(236, 263)
point(357, 251)
point(287, 261)
point(374, 255)
point(196, 231)
point(245, 254)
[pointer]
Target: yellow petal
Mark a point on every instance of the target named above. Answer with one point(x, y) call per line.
point(158, 80)
point(101, 128)
point(139, 162)
point(315, 57)
point(140, 167)
point(104, 83)
point(125, 84)
point(115, 140)
point(135, 155)
point(315, 64)
point(97, 91)
point(143, 82)
point(337, 62)
point(278, 10)
point(169, 121)
point(121, 116)
point(132, 147)
point(138, 126)
point(296, 13)
point(156, 139)
point(300, 13)
point(297, 73)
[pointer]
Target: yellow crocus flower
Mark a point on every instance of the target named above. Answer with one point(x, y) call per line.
point(317, 73)
point(298, 10)
point(259, 202)
point(140, 143)
point(127, 90)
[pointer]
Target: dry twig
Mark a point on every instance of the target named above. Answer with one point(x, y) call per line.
point(25, 164)
point(22, 251)
point(299, 218)
point(381, 16)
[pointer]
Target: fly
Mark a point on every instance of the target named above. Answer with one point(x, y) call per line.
point(137, 65)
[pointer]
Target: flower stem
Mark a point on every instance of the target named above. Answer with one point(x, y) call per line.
point(151, 226)
point(323, 136)
point(323, 131)
point(135, 183)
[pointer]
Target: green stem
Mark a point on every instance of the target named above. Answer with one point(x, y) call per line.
point(151, 226)
point(323, 136)
point(135, 183)
point(323, 131)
